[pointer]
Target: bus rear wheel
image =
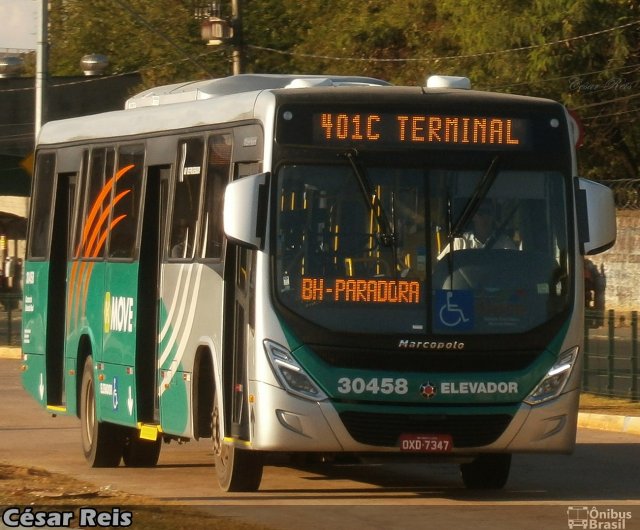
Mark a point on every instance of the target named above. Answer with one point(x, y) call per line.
point(487, 471)
point(101, 442)
point(236, 469)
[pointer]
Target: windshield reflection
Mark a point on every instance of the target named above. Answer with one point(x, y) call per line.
point(504, 271)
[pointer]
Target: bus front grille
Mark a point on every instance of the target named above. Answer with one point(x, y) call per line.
point(427, 361)
point(385, 429)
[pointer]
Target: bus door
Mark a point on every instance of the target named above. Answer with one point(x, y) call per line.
point(128, 295)
point(64, 200)
point(238, 337)
point(155, 205)
point(239, 328)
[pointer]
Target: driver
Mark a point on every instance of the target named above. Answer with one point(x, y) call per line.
point(483, 226)
point(483, 229)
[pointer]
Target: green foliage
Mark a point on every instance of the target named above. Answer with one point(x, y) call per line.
point(160, 39)
point(561, 49)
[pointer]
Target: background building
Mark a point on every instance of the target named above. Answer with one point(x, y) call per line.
point(65, 97)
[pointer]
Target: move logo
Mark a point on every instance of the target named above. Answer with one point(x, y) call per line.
point(118, 313)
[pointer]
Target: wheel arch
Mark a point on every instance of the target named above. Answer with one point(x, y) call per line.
point(203, 392)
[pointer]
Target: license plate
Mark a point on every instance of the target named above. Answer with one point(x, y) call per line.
point(426, 443)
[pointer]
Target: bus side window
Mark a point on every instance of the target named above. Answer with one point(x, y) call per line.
point(218, 169)
point(91, 221)
point(186, 199)
point(41, 210)
point(126, 201)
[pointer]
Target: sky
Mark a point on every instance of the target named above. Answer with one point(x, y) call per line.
point(19, 19)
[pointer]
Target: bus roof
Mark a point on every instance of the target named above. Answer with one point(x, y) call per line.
point(210, 88)
point(188, 104)
point(219, 101)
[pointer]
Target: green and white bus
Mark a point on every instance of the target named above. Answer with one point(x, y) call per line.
point(298, 264)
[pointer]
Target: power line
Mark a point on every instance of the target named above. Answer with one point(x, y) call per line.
point(92, 79)
point(445, 57)
point(570, 76)
point(165, 37)
point(607, 102)
point(621, 113)
point(187, 57)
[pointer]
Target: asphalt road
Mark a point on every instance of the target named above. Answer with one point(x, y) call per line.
point(543, 491)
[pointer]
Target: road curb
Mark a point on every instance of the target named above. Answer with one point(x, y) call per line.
point(8, 352)
point(609, 422)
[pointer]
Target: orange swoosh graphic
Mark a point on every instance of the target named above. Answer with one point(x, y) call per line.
point(91, 244)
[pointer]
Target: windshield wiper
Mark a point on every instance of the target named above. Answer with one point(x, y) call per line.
point(470, 209)
point(386, 235)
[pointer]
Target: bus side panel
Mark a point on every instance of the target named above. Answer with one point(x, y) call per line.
point(83, 336)
point(189, 320)
point(176, 346)
point(34, 329)
point(176, 405)
point(115, 309)
point(84, 320)
point(116, 390)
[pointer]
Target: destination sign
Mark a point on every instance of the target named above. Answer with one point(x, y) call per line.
point(371, 127)
point(428, 130)
point(367, 291)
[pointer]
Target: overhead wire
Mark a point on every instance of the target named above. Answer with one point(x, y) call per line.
point(445, 57)
point(187, 57)
point(162, 35)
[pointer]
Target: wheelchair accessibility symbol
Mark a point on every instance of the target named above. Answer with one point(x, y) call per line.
point(453, 310)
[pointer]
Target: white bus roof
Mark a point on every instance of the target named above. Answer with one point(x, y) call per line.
point(218, 101)
point(210, 88)
point(188, 104)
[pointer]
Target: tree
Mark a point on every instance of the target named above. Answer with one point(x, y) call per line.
point(565, 50)
point(579, 52)
point(160, 39)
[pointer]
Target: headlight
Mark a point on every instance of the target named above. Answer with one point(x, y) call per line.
point(554, 382)
point(290, 374)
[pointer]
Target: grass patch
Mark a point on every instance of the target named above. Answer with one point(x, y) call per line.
point(41, 490)
point(594, 403)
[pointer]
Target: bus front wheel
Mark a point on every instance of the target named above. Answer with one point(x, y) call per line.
point(487, 471)
point(236, 469)
point(101, 442)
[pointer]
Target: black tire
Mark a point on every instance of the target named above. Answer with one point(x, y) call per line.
point(236, 469)
point(487, 472)
point(140, 453)
point(101, 442)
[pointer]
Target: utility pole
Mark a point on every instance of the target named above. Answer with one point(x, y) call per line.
point(42, 51)
point(236, 24)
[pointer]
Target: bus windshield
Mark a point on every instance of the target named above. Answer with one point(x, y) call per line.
point(504, 270)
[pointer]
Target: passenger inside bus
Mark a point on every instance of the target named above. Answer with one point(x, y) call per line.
point(180, 240)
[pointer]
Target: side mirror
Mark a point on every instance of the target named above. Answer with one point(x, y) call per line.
point(245, 208)
point(596, 216)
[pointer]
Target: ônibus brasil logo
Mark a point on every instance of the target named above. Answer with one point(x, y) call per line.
point(596, 517)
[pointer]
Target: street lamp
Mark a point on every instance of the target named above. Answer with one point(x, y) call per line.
point(94, 64)
point(216, 31)
point(11, 66)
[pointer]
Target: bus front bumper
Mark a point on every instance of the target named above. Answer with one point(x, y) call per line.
point(282, 422)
